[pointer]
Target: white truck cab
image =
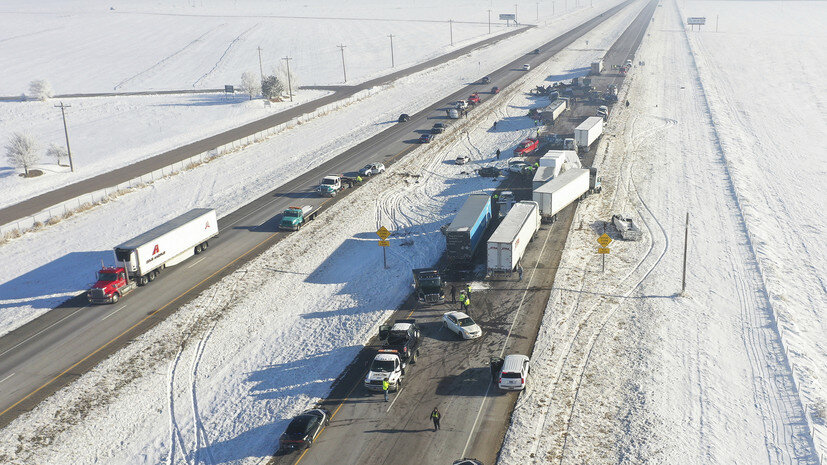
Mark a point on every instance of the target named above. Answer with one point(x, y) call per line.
point(386, 365)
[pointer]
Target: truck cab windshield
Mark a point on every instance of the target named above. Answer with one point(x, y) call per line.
point(291, 213)
point(107, 276)
point(328, 181)
point(431, 284)
point(382, 366)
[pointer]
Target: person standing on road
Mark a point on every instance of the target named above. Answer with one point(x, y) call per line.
point(435, 416)
point(453, 294)
point(385, 386)
point(520, 272)
point(464, 302)
point(468, 289)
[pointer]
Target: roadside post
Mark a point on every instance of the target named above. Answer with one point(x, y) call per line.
point(384, 234)
point(604, 242)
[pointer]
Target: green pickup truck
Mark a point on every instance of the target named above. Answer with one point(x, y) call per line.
point(295, 217)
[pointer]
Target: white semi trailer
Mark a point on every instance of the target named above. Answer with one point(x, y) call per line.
point(508, 243)
point(561, 191)
point(587, 132)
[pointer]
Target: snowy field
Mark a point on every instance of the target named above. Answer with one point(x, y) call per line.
point(39, 269)
point(263, 344)
point(626, 369)
point(190, 45)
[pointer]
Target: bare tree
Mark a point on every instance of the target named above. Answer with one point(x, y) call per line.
point(57, 152)
point(40, 89)
point(250, 84)
point(271, 87)
point(22, 151)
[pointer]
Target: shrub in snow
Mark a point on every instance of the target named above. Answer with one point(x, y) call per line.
point(40, 89)
point(250, 84)
point(271, 87)
point(281, 73)
point(57, 152)
point(22, 151)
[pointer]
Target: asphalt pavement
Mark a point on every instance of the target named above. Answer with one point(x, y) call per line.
point(53, 350)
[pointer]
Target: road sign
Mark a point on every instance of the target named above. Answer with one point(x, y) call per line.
point(384, 243)
point(383, 233)
point(696, 21)
point(604, 240)
point(602, 250)
point(507, 17)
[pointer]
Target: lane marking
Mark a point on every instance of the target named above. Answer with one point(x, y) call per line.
point(7, 377)
point(114, 312)
point(196, 262)
point(392, 402)
point(38, 333)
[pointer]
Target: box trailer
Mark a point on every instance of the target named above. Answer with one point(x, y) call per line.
point(597, 67)
point(588, 131)
point(143, 257)
point(508, 243)
point(464, 234)
point(554, 110)
point(558, 193)
point(544, 174)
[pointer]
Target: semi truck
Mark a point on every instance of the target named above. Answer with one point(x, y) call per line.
point(465, 232)
point(509, 241)
point(142, 258)
point(597, 67)
point(428, 286)
point(588, 131)
point(558, 193)
point(554, 110)
point(294, 218)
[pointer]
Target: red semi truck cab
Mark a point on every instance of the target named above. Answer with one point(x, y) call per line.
point(112, 284)
point(526, 147)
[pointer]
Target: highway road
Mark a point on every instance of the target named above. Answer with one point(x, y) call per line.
point(56, 348)
point(452, 374)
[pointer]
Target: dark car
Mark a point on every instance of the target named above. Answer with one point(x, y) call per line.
point(404, 118)
point(438, 128)
point(536, 51)
point(425, 138)
point(495, 90)
point(303, 429)
point(486, 80)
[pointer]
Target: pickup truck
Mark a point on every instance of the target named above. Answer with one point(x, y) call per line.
point(526, 147)
point(386, 365)
point(404, 337)
point(294, 218)
point(331, 185)
point(474, 99)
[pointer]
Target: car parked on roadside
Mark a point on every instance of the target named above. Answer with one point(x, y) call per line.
point(373, 168)
point(517, 166)
point(425, 138)
point(461, 324)
point(304, 429)
point(462, 159)
point(514, 372)
point(486, 80)
point(461, 104)
point(438, 128)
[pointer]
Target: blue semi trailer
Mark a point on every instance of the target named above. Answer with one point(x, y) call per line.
point(466, 231)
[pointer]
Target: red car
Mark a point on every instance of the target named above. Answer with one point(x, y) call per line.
point(474, 99)
point(526, 147)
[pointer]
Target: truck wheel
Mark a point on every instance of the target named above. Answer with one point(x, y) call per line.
point(142, 281)
point(152, 276)
point(205, 245)
point(398, 385)
point(115, 298)
point(198, 249)
point(309, 443)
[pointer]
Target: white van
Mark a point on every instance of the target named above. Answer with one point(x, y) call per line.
point(526, 67)
point(514, 372)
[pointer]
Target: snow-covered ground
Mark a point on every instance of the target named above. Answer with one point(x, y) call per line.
point(627, 370)
point(40, 269)
point(219, 378)
point(186, 45)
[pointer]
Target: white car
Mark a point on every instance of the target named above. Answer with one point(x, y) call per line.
point(462, 159)
point(517, 166)
point(526, 67)
point(461, 324)
point(373, 168)
point(461, 105)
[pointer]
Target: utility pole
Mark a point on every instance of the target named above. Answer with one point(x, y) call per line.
point(451, 26)
point(66, 133)
point(289, 84)
point(260, 68)
point(392, 63)
point(685, 246)
point(344, 69)
point(515, 15)
point(538, 11)
point(489, 21)
point(716, 22)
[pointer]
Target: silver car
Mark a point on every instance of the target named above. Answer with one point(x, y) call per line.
point(373, 168)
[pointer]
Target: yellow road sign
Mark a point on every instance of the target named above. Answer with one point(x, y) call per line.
point(383, 233)
point(384, 243)
point(604, 240)
point(602, 250)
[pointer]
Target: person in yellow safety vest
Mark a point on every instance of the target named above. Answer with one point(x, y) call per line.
point(536, 165)
point(385, 386)
point(464, 302)
point(467, 289)
point(358, 179)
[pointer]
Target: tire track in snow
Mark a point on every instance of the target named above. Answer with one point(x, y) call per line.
point(233, 43)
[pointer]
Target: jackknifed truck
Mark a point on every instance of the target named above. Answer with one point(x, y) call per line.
point(587, 132)
point(465, 233)
point(142, 258)
point(509, 241)
point(561, 191)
